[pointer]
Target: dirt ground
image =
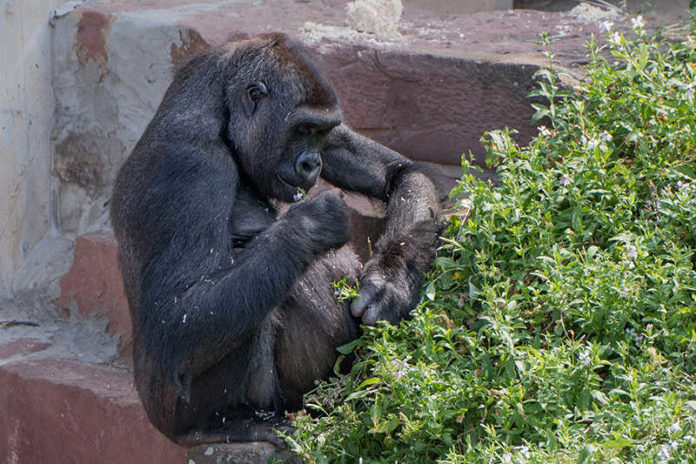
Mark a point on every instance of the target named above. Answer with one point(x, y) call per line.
point(660, 11)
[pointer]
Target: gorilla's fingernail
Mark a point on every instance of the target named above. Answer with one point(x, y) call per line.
point(357, 308)
point(371, 315)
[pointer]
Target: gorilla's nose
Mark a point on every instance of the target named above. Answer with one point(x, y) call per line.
point(307, 165)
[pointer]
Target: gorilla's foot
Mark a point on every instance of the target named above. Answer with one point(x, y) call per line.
point(237, 431)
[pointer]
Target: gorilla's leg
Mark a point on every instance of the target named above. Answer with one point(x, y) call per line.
point(243, 397)
point(312, 325)
point(225, 402)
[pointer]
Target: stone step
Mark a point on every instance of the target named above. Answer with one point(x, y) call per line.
point(58, 410)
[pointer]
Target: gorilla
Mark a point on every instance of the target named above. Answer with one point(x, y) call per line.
point(228, 268)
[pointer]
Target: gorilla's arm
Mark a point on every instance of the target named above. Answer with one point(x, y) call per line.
point(196, 304)
point(391, 278)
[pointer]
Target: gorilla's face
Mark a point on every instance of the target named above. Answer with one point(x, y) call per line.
point(279, 122)
point(300, 159)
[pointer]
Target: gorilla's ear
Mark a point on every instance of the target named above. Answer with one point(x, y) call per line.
point(254, 93)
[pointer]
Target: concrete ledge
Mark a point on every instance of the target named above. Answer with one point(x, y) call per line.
point(239, 453)
point(62, 411)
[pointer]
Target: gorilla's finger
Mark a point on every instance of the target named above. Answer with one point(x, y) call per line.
point(367, 296)
point(372, 314)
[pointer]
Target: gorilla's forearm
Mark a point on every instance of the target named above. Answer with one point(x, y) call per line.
point(357, 163)
point(391, 278)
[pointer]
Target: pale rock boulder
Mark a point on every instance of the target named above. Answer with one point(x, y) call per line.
point(374, 16)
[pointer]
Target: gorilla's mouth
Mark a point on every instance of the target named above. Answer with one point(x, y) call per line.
point(280, 178)
point(297, 191)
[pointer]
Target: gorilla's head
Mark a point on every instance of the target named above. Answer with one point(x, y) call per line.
point(281, 109)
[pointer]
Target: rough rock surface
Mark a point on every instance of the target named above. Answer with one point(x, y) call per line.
point(237, 453)
point(374, 16)
point(56, 410)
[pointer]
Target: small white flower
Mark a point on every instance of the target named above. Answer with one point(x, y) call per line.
point(584, 357)
point(605, 137)
point(674, 427)
point(615, 38)
point(663, 454)
point(507, 458)
point(401, 367)
point(637, 22)
point(605, 26)
point(690, 439)
point(524, 451)
point(592, 144)
point(566, 180)
point(543, 130)
point(631, 251)
point(688, 88)
point(297, 196)
point(672, 445)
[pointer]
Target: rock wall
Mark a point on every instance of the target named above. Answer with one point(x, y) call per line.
point(26, 114)
point(110, 75)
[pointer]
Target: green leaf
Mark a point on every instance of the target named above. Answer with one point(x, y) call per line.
point(368, 382)
point(600, 397)
point(473, 291)
point(686, 171)
point(617, 443)
point(585, 454)
point(349, 347)
point(541, 113)
point(430, 291)
point(444, 262)
point(642, 55)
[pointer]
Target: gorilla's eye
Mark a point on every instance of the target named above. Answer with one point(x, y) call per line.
point(254, 93)
point(257, 90)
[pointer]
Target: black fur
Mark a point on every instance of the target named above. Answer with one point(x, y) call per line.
point(231, 302)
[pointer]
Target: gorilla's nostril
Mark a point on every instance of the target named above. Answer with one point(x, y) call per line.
point(307, 163)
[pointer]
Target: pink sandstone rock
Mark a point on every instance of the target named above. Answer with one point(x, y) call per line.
point(61, 411)
point(22, 346)
point(94, 286)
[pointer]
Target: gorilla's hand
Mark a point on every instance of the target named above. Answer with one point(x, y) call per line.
point(321, 221)
point(382, 298)
point(390, 282)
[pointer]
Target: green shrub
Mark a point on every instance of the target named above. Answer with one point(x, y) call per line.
point(559, 322)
